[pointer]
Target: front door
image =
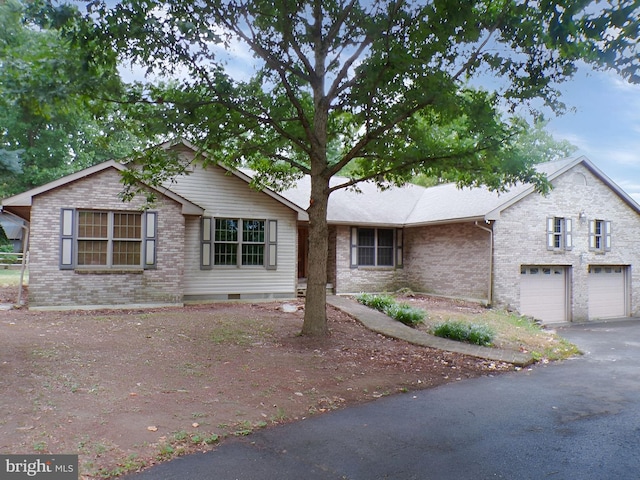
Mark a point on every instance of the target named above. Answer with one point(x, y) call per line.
point(303, 251)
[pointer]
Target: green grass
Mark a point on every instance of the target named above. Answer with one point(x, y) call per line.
point(11, 277)
point(241, 332)
point(512, 332)
point(474, 333)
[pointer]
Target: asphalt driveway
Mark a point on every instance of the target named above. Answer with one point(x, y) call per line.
point(579, 419)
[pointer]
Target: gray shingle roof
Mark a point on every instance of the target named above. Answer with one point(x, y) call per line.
point(415, 205)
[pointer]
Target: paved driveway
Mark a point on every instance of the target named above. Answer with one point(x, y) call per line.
point(575, 420)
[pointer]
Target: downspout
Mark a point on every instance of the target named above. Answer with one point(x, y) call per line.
point(25, 253)
point(490, 289)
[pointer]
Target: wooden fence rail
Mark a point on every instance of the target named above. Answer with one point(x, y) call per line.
point(10, 260)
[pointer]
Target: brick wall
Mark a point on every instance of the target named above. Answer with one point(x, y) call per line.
point(448, 260)
point(51, 287)
point(361, 279)
point(520, 239)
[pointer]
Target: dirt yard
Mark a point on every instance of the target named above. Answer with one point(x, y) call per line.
point(127, 389)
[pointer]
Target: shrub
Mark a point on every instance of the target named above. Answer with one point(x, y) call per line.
point(378, 302)
point(398, 311)
point(5, 254)
point(406, 314)
point(465, 332)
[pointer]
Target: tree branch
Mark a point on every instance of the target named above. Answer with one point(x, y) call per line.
point(417, 161)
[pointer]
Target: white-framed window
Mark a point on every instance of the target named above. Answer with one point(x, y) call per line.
point(599, 235)
point(106, 239)
point(559, 233)
point(371, 247)
point(238, 242)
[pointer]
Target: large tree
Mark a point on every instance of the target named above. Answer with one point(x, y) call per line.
point(389, 88)
point(52, 122)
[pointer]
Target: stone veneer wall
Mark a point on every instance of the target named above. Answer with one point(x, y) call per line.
point(51, 287)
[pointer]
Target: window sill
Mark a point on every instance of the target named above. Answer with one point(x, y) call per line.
point(376, 267)
point(108, 271)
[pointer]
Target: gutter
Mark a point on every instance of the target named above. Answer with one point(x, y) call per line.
point(25, 249)
point(490, 288)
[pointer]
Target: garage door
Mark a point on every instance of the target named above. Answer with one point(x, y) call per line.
point(607, 292)
point(543, 293)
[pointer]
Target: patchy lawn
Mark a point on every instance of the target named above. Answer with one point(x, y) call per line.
point(512, 331)
point(127, 389)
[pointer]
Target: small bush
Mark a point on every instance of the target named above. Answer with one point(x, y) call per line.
point(378, 302)
point(398, 311)
point(406, 314)
point(465, 332)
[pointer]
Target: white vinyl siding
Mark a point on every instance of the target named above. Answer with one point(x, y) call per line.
point(225, 196)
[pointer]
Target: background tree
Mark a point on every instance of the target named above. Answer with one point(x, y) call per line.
point(51, 121)
point(534, 141)
point(389, 88)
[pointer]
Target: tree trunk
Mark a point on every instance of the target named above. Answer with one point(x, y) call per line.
point(315, 310)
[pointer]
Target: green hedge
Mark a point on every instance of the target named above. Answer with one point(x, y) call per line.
point(465, 332)
point(398, 311)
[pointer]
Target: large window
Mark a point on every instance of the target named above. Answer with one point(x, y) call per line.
point(238, 242)
point(559, 233)
point(376, 247)
point(106, 239)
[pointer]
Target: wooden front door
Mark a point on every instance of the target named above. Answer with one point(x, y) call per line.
point(303, 251)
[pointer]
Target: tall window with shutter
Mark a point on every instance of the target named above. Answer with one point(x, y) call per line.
point(238, 242)
point(559, 233)
point(600, 236)
point(375, 247)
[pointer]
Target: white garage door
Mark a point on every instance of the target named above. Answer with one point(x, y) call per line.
point(607, 292)
point(543, 293)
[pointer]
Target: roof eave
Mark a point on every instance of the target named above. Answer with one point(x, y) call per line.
point(445, 221)
point(611, 184)
point(20, 204)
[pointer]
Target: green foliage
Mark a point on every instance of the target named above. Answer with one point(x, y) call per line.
point(378, 302)
point(4, 241)
point(53, 117)
point(399, 104)
point(406, 314)
point(7, 248)
point(398, 311)
point(465, 332)
point(352, 86)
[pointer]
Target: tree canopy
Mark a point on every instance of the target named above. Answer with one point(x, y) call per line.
point(390, 88)
point(51, 121)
